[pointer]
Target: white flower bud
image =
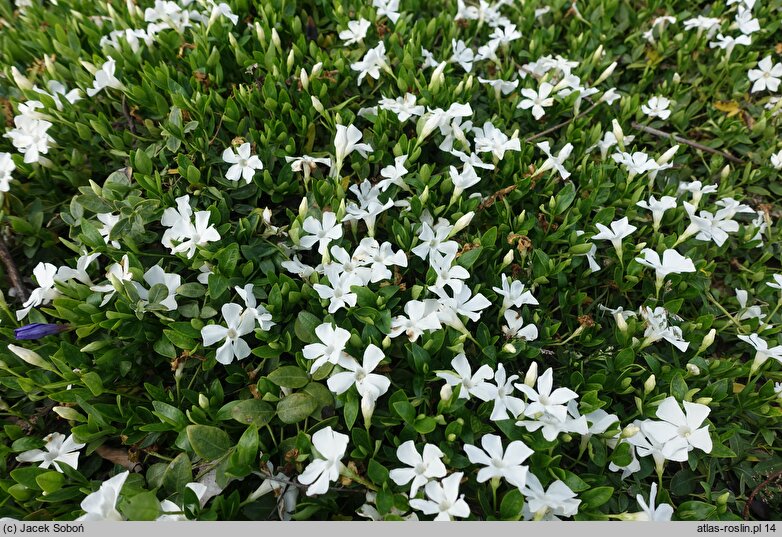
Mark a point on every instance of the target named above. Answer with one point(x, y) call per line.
point(605, 74)
point(693, 370)
point(725, 172)
point(316, 69)
point(424, 197)
point(532, 375)
point(597, 55)
point(461, 223)
point(49, 62)
point(668, 155)
point(507, 260)
point(509, 348)
point(446, 392)
point(260, 34)
point(649, 384)
point(31, 357)
point(203, 402)
point(303, 207)
point(317, 105)
point(437, 77)
point(291, 59)
point(630, 431)
point(676, 78)
point(707, 340)
point(21, 81)
point(618, 133)
point(386, 342)
point(367, 408)
point(276, 40)
point(620, 322)
point(304, 79)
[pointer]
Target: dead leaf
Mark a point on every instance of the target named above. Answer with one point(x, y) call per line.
point(729, 107)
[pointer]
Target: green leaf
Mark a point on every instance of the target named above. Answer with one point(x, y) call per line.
point(157, 293)
point(350, 410)
point(377, 472)
point(289, 376)
point(208, 442)
point(596, 497)
point(142, 162)
point(143, 506)
point(93, 382)
point(253, 411)
point(305, 326)
point(177, 474)
point(696, 511)
point(296, 407)
point(405, 410)
point(722, 451)
point(512, 505)
point(622, 456)
point(170, 414)
point(247, 448)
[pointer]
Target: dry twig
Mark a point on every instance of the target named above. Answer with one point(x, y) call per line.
point(681, 140)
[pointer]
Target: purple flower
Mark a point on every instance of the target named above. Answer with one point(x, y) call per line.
point(38, 330)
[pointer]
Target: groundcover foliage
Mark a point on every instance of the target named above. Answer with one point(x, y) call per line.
point(329, 260)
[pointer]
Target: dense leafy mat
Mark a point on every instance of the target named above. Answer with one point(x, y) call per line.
point(322, 260)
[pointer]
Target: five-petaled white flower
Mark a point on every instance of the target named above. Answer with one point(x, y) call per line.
point(370, 386)
point(59, 449)
point(658, 208)
point(104, 78)
point(619, 230)
point(374, 60)
point(672, 263)
point(685, 425)
point(657, 107)
point(553, 162)
point(650, 513)
point(345, 142)
point(423, 468)
point(443, 498)
point(537, 100)
point(322, 232)
point(238, 325)
point(356, 32)
point(331, 348)
point(244, 163)
point(541, 504)
point(498, 462)
point(766, 76)
point(330, 447)
point(763, 351)
point(102, 504)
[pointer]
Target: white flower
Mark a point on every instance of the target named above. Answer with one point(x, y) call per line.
point(104, 78)
point(421, 316)
point(537, 100)
point(461, 303)
point(306, 164)
point(119, 271)
point(516, 328)
point(763, 351)
point(244, 163)
point(678, 424)
point(322, 232)
point(514, 294)
point(167, 506)
point(338, 291)
point(728, 42)
point(637, 163)
point(672, 263)
point(710, 24)
point(31, 138)
point(697, 189)
point(330, 447)
point(650, 513)
point(443, 498)
point(462, 54)
point(393, 174)
point(238, 325)
point(108, 220)
point(777, 283)
point(558, 500)
point(198, 233)
point(707, 226)
point(422, 468)
point(370, 386)
point(766, 77)
point(403, 107)
point(657, 107)
point(746, 22)
point(500, 393)
point(66, 273)
point(499, 462)
point(500, 86)
point(490, 139)
point(776, 160)
point(658, 208)
point(374, 60)
point(7, 167)
point(470, 384)
point(102, 504)
point(619, 230)
point(255, 310)
point(646, 444)
point(657, 328)
point(462, 180)
point(331, 348)
point(356, 32)
point(389, 8)
point(435, 240)
point(345, 142)
point(45, 292)
point(379, 257)
point(58, 449)
point(555, 162)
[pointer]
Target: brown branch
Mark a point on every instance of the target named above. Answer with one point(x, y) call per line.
point(773, 477)
point(119, 456)
point(681, 140)
point(12, 271)
point(497, 196)
point(128, 118)
point(560, 125)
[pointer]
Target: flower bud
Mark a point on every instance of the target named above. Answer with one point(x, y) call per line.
point(276, 40)
point(179, 369)
point(461, 223)
point(203, 402)
point(304, 79)
point(707, 340)
point(693, 370)
point(649, 384)
point(596, 57)
point(49, 62)
point(451, 437)
point(725, 172)
point(424, 197)
point(21, 81)
point(507, 260)
point(676, 78)
point(668, 155)
point(260, 34)
point(303, 207)
point(509, 348)
point(386, 343)
point(437, 77)
point(316, 69)
point(446, 392)
point(620, 322)
point(605, 74)
point(367, 409)
point(532, 375)
point(31, 357)
point(630, 431)
point(317, 105)
point(618, 134)
point(291, 59)
point(703, 400)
